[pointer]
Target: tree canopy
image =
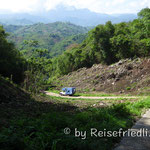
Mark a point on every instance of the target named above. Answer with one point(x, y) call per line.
point(108, 44)
point(12, 62)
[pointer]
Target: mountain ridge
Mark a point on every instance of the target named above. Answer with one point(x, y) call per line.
point(82, 17)
point(55, 37)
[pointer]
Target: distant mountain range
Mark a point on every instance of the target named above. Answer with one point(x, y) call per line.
point(83, 17)
point(55, 37)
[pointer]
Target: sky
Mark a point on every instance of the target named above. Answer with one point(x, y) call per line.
point(100, 6)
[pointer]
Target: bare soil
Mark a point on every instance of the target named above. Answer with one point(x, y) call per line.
point(125, 77)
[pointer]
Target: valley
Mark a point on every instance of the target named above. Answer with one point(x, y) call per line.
point(55, 37)
point(109, 66)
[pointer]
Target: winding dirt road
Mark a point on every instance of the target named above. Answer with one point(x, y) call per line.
point(90, 97)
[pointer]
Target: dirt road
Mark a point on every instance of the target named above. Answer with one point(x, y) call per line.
point(90, 97)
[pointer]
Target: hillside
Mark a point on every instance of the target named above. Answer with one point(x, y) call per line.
point(12, 101)
point(125, 77)
point(38, 122)
point(49, 36)
point(108, 44)
point(113, 59)
point(10, 93)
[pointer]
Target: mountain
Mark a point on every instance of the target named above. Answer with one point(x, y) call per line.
point(20, 19)
point(55, 37)
point(107, 44)
point(83, 17)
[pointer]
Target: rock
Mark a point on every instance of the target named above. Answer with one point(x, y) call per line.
point(141, 67)
point(117, 79)
point(121, 91)
point(120, 62)
point(93, 70)
point(129, 73)
point(129, 67)
point(121, 73)
point(113, 83)
point(102, 77)
point(101, 104)
point(110, 76)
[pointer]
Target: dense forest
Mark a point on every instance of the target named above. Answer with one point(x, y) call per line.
point(12, 62)
point(32, 120)
point(55, 37)
point(105, 44)
point(108, 44)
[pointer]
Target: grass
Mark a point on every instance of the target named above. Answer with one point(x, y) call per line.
point(86, 99)
point(54, 91)
point(98, 94)
point(40, 125)
point(83, 103)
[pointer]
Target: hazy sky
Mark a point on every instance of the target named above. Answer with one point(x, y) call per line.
point(101, 6)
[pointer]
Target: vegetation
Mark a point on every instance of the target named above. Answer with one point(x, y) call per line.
point(12, 62)
point(42, 127)
point(108, 44)
point(28, 72)
point(105, 44)
point(67, 43)
point(38, 123)
point(55, 37)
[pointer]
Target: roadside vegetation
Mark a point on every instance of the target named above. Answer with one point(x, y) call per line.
point(30, 120)
point(39, 123)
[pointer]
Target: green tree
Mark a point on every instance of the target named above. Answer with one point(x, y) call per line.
point(12, 62)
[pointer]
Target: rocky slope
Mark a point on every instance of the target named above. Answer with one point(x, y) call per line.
point(126, 76)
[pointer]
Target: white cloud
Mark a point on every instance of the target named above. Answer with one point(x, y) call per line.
point(102, 6)
point(18, 5)
point(50, 4)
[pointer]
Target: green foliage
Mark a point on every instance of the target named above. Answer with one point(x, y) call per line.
point(47, 130)
point(105, 44)
point(12, 62)
point(38, 70)
point(144, 16)
point(55, 37)
point(70, 41)
point(128, 88)
point(108, 44)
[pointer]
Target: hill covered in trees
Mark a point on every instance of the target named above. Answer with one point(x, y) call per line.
point(105, 44)
point(108, 44)
point(55, 37)
point(12, 62)
point(40, 122)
